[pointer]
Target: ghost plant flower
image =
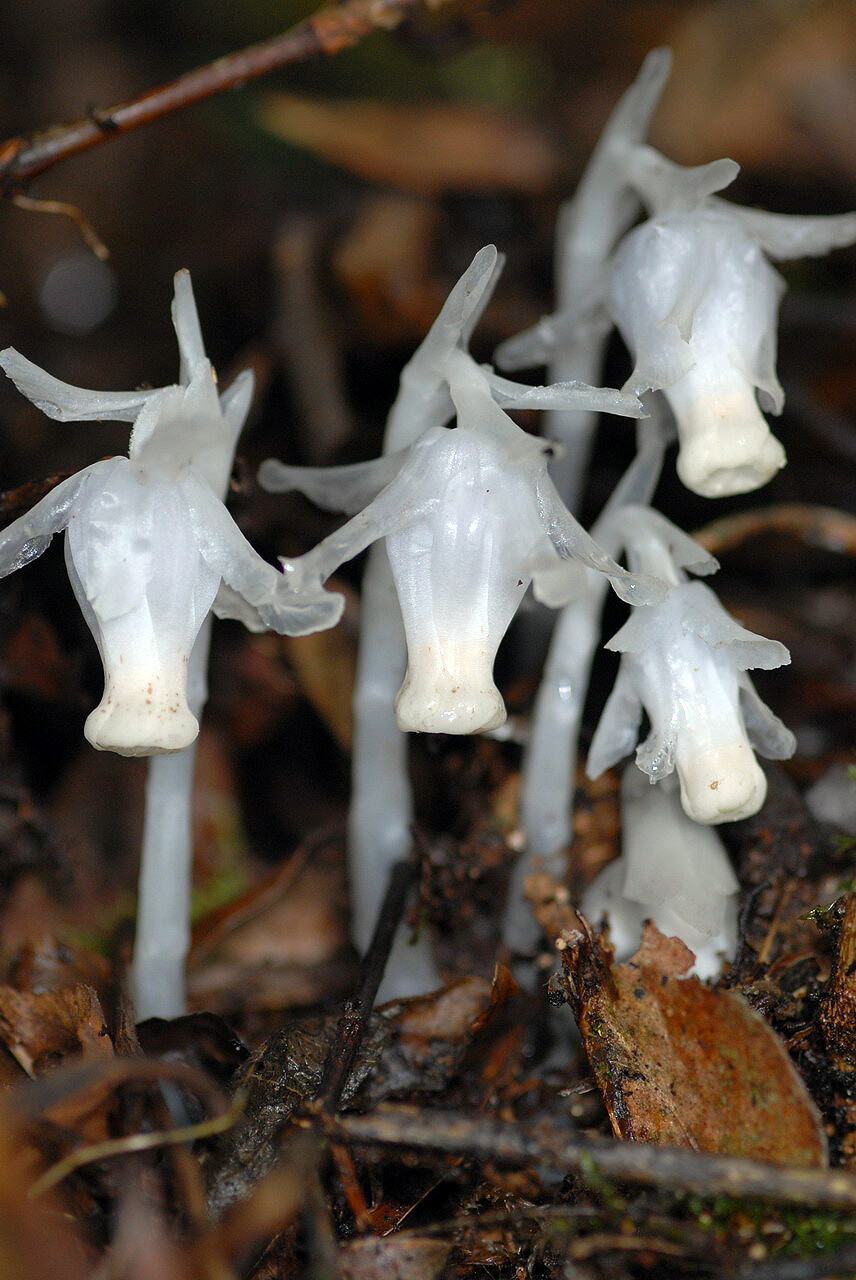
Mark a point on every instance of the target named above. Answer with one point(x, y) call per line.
point(684, 661)
point(691, 290)
point(151, 551)
point(572, 342)
point(470, 518)
point(697, 300)
point(671, 870)
point(149, 543)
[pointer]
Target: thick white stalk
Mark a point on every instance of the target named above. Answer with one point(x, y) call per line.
point(381, 812)
point(590, 225)
point(549, 765)
point(158, 982)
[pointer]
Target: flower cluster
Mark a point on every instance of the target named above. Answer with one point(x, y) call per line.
point(470, 517)
point(466, 516)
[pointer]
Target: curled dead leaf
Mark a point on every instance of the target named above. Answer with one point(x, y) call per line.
point(682, 1064)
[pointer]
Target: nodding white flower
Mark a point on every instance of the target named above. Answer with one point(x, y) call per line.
point(671, 870)
point(470, 518)
point(697, 300)
point(685, 661)
point(691, 290)
point(149, 543)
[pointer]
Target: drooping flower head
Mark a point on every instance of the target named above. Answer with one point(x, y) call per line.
point(684, 661)
point(696, 300)
point(470, 518)
point(149, 543)
point(691, 289)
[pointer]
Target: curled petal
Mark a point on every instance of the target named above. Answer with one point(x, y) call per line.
point(66, 403)
point(766, 732)
point(792, 235)
point(662, 184)
point(423, 398)
point(348, 488)
point(571, 541)
point(657, 545)
point(563, 395)
point(618, 729)
point(274, 599)
point(27, 537)
point(188, 331)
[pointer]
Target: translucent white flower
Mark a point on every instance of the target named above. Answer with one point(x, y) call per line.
point(470, 518)
point(685, 661)
point(697, 300)
point(149, 542)
point(671, 870)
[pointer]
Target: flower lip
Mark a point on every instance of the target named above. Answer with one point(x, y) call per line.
point(142, 712)
point(449, 688)
point(719, 784)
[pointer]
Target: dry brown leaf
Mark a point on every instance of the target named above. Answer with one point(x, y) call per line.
point(684, 1065)
point(409, 1047)
point(48, 964)
point(427, 148)
point(42, 1028)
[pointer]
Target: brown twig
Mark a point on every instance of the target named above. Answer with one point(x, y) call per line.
point(326, 32)
point(640, 1163)
point(357, 1011)
point(824, 527)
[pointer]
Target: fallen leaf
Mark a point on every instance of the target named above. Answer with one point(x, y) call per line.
point(42, 1028)
point(409, 1047)
point(48, 964)
point(427, 148)
point(681, 1064)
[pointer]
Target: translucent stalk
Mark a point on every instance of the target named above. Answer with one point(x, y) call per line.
point(550, 760)
point(162, 940)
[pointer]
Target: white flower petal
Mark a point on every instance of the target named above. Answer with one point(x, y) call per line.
point(348, 488)
point(27, 537)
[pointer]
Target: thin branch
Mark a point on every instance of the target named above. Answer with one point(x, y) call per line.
point(640, 1163)
point(357, 1011)
point(825, 527)
point(326, 32)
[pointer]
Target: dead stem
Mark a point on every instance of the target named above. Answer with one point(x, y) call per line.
point(640, 1163)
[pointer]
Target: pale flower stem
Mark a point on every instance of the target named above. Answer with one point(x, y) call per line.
point(163, 908)
point(162, 941)
point(550, 762)
point(551, 759)
point(381, 811)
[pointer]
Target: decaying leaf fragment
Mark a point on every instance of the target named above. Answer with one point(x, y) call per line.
point(411, 1046)
point(41, 1028)
point(682, 1064)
